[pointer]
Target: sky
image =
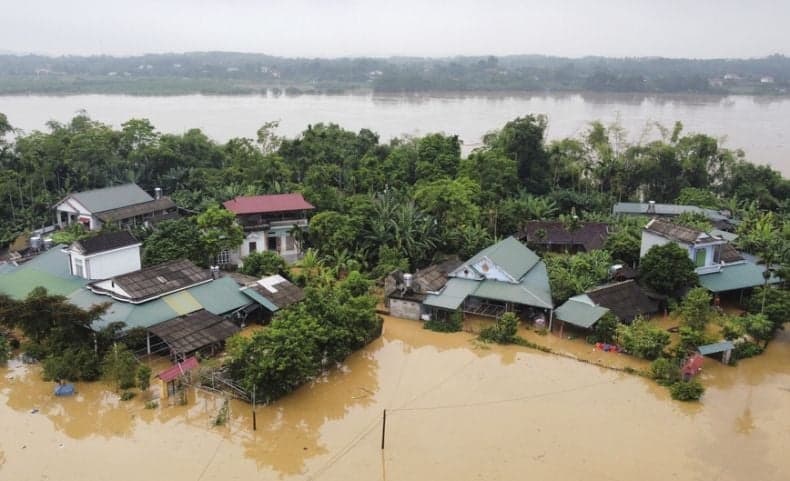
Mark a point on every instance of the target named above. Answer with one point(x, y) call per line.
point(380, 28)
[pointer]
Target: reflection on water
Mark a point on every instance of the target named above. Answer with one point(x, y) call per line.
point(455, 410)
point(758, 125)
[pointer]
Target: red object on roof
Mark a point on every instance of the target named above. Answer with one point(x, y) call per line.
point(264, 204)
point(178, 369)
point(693, 366)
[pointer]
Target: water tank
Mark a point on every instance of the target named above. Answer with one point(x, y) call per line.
point(47, 243)
point(35, 242)
point(158, 192)
point(407, 279)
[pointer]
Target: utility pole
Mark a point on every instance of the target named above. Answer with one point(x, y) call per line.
point(254, 424)
point(383, 428)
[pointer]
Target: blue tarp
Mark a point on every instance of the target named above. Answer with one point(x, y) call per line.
point(64, 389)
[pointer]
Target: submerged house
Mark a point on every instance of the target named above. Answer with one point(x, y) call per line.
point(720, 267)
point(269, 222)
point(554, 236)
point(626, 300)
point(504, 277)
point(404, 293)
point(122, 206)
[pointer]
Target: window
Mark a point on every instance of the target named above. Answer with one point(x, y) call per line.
point(290, 243)
point(253, 247)
point(79, 268)
point(273, 243)
point(223, 258)
point(699, 257)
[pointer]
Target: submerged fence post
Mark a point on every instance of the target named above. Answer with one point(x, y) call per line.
point(254, 424)
point(383, 428)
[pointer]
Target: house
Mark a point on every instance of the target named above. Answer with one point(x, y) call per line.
point(273, 293)
point(105, 255)
point(626, 300)
point(720, 219)
point(122, 205)
point(268, 222)
point(720, 267)
point(503, 277)
point(404, 293)
point(555, 236)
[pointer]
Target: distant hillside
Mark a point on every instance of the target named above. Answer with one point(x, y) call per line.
point(241, 73)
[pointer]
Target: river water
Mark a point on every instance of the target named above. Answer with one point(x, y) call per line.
point(758, 125)
point(456, 410)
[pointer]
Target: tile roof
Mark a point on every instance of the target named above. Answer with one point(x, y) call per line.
point(678, 232)
point(100, 200)
point(625, 299)
point(186, 334)
point(158, 280)
point(278, 290)
point(105, 242)
point(591, 235)
point(264, 204)
point(143, 208)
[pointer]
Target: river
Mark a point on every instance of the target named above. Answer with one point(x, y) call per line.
point(758, 125)
point(456, 410)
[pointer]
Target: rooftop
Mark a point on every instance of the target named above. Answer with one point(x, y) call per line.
point(105, 242)
point(188, 333)
point(591, 235)
point(580, 311)
point(625, 299)
point(679, 232)
point(279, 291)
point(143, 208)
point(179, 369)
point(154, 281)
point(265, 204)
point(108, 198)
point(667, 210)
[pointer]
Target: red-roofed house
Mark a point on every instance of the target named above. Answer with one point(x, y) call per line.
point(268, 222)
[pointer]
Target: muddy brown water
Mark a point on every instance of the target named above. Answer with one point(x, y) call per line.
point(456, 410)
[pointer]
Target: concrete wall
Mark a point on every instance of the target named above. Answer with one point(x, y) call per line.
point(650, 240)
point(104, 265)
point(405, 309)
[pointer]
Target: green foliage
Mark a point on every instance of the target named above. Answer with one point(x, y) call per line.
point(504, 331)
point(69, 234)
point(759, 327)
point(665, 371)
point(695, 309)
point(745, 350)
point(151, 404)
point(143, 377)
point(776, 304)
point(120, 367)
point(219, 231)
point(624, 245)
point(72, 364)
point(699, 197)
point(694, 220)
point(5, 350)
point(572, 274)
point(127, 395)
point(691, 338)
point(260, 264)
point(453, 324)
point(686, 390)
point(642, 339)
point(173, 240)
point(605, 330)
point(667, 269)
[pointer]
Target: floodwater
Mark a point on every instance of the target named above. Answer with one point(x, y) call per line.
point(455, 410)
point(758, 125)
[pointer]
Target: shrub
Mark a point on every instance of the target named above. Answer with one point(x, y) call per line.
point(691, 338)
point(143, 377)
point(746, 350)
point(605, 330)
point(120, 366)
point(695, 310)
point(73, 365)
point(127, 395)
point(686, 390)
point(504, 331)
point(151, 404)
point(642, 339)
point(665, 371)
point(264, 263)
point(5, 349)
point(453, 324)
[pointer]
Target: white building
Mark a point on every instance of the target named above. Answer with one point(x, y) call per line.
point(104, 256)
point(708, 252)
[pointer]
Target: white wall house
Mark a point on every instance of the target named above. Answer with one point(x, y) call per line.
point(105, 256)
point(704, 250)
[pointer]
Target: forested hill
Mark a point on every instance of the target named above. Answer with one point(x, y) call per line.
point(243, 73)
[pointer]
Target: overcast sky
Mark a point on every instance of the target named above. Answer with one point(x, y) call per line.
point(334, 28)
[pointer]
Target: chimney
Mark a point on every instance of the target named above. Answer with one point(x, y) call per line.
point(157, 192)
point(651, 207)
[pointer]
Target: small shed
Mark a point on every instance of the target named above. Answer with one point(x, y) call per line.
point(186, 334)
point(721, 350)
point(170, 377)
point(579, 311)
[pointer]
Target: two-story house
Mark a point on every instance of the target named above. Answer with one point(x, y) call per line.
point(269, 222)
point(704, 249)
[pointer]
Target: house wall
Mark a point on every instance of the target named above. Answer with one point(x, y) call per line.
point(405, 309)
point(75, 211)
point(650, 240)
point(104, 265)
point(287, 245)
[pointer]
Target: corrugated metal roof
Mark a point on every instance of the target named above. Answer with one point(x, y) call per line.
point(666, 209)
point(735, 276)
point(178, 369)
point(580, 311)
point(220, 296)
point(100, 200)
point(718, 347)
point(182, 302)
point(20, 282)
point(257, 297)
point(509, 254)
point(453, 294)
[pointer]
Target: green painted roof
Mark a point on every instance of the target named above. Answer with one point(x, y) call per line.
point(99, 200)
point(509, 254)
point(580, 311)
point(257, 297)
point(453, 294)
point(220, 296)
point(722, 346)
point(49, 270)
point(182, 302)
point(735, 276)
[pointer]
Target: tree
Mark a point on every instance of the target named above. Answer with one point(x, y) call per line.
point(120, 367)
point(143, 377)
point(667, 269)
point(219, 231)
point(759, 327)
point(773, 302)
point(605, 330)
point(642, 339)
point(173, 240)
point(522, 140)
point(690, 390)
point(260, 264)
point(695, 309)
point(504, 331)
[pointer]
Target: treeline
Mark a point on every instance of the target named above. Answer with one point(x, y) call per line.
point(240, 73)
point(398, 204)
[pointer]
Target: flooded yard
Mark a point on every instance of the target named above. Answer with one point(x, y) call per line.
point(455, 410)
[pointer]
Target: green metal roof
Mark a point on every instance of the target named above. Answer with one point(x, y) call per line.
point(257, 297)
point(580, 311)
point(453, 294)
point(220, 296)
point(709, 349)
point(49, 270)
point(735, 276)
point(509, 254)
